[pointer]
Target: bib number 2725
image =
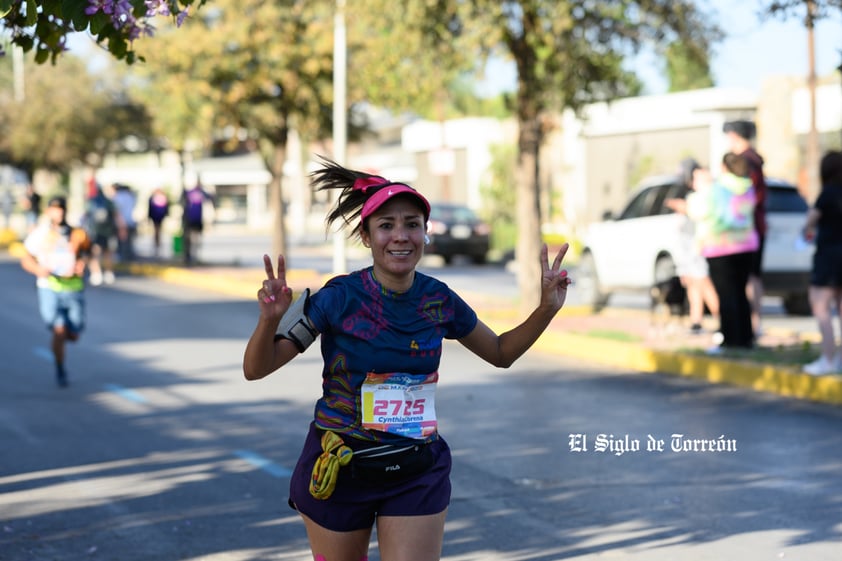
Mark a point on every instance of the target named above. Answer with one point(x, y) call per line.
point(399, 403)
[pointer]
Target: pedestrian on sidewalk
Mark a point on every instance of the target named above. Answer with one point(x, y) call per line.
point(7, 203)
point(103, 223)
point(192, 219)
point(124, 200)
point(373, 453)
point(723, 211)
point(56, 254)
point(824, 226)
point(159, 209)
point(739, 135)
point(691, 265)
point(31, 204)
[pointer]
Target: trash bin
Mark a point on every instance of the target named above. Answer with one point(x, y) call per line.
point(178, 244)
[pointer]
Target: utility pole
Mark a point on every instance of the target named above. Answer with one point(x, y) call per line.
point(839, 68)
point(812, 160)
point(340, 119)
point(17, 73)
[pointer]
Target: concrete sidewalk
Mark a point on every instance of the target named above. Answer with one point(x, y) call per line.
point(623, 338)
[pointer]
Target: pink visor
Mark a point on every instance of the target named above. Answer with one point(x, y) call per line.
point(388, 191)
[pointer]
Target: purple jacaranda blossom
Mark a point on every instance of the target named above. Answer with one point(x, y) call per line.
point(157, 7)
point(182, 15)
point(122, 14)
point(95, 6)
point(143, 29)
point(123, 18)
point(119, 10)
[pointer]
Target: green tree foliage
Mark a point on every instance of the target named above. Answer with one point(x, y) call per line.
point(67, 115)
point(463, 100)
point(422, 57)
point(263, 68)
point(42, 26)
point(685, 72)
point(568, 53)
point(267, 68)
point(417, 56)
point(499, 197)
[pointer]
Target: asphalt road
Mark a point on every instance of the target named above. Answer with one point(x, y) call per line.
point(159, 450)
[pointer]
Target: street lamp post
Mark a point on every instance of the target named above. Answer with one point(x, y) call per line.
point(812, 159)
point(839, 68)
point(17, 73)
point(340, 134)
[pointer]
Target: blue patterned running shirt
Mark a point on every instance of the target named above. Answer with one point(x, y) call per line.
point(367, 328)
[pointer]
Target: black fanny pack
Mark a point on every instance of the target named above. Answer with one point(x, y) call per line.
point(391, 463)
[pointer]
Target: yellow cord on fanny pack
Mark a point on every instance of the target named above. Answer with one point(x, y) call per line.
point(326, 468)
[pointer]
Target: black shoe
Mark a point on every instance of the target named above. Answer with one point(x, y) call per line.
point(61, 377)
point(696, 329)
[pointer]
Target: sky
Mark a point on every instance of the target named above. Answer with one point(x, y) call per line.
point(752, 50)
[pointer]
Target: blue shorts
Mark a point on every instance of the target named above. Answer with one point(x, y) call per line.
point(62, 309)
point(354, 506)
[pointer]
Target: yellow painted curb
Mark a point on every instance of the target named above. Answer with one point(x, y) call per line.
point(17, 250)
point(245, 287)
point(759, 377)
point(7, 237)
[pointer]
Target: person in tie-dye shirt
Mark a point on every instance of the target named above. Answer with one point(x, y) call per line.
point(723, 211)
point(382, 330)
point(739, 136)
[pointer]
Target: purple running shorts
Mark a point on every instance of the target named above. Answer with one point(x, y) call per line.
point(354, 505)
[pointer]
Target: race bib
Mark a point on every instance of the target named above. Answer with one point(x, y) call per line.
point(402, 404)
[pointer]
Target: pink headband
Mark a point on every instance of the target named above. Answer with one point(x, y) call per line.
point(386, 191)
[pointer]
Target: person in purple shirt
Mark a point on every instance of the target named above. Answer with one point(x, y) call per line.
point(373, 453)
point(158, 210)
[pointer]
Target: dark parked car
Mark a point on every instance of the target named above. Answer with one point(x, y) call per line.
point(457, 230)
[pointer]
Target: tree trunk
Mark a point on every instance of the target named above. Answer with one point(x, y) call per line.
point(276, 201)
point(528, 249)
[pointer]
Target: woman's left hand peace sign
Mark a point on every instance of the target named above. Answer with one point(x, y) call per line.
point(554, 279)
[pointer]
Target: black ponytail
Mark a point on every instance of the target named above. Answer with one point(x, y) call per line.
point(350, 202)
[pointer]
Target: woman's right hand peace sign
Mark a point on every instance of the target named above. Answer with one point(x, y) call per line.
point(274, 296)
